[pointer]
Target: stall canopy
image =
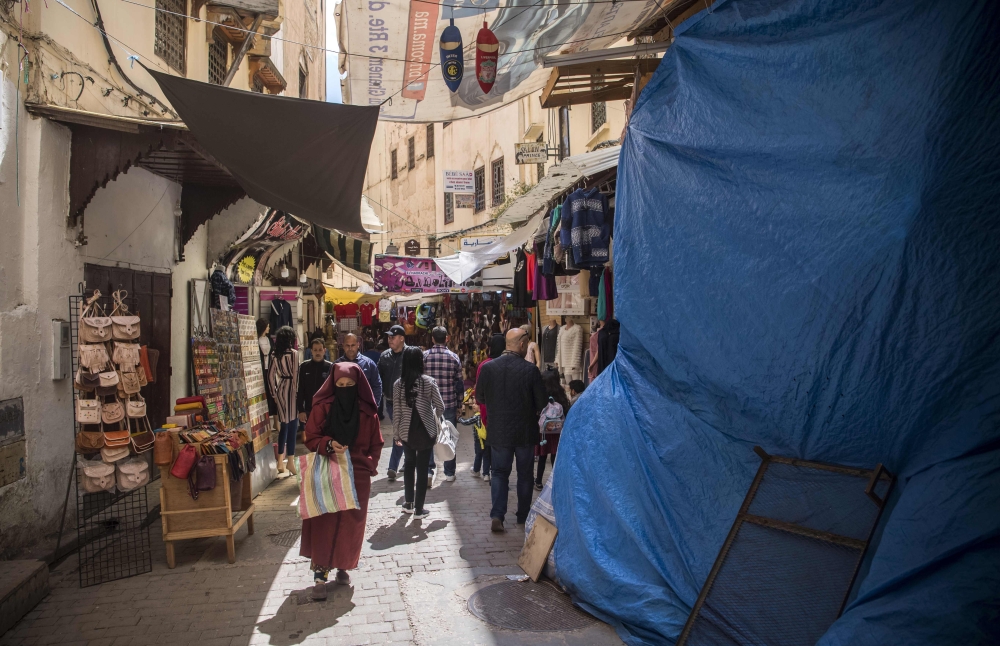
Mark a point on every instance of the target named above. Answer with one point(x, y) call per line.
point(310, 159)
point(344, 296)
point(806, 254)
point(465, 264)
point(558, 180)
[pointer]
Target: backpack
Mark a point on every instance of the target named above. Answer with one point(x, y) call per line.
point(550, 422)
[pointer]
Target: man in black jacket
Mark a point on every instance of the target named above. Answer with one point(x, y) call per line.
point(512, 390)
point(312, 374)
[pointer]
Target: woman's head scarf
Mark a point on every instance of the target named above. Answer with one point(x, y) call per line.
point(346, 403)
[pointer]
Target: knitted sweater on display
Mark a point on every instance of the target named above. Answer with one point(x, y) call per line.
point(585, 214)
point(569, 347)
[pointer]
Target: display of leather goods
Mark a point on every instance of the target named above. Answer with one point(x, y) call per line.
point(106, 391)
point(487, 53)
point(143, 440)
point(144, 362)
point(86, 381)
point(93, 356)
point(130, 383)
point(88, 411)
point(202, 477)
point(135, 408)
point(163, 449)
point(96, 477)
point(118, 438)
point(125, 326)
point(132, 473)
point(112, 412)
point(114, 453)
point(95, 327)
point(89, 441)
point(109, 379)
point(126, 355)
point(184, 464)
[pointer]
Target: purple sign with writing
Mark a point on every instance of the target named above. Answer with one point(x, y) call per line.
point(408, 275)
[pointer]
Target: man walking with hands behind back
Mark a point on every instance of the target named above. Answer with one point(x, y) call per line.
point(445, 368)
point(512, 390)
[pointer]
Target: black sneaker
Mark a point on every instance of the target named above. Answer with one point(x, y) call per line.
point(497, 525)
point(421, 513)
point(390, 475)
point(538, 486)
point(407, 507)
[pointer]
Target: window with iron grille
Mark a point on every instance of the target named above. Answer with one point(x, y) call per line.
point(393, 169)
point(449, 208)
point(257, 84)
point(170, 33)
point(598, 115)
point(303, 83)
point(430, 140)
point(411, 153)
point(218, 58)
point(499, 190)
point(480, 179)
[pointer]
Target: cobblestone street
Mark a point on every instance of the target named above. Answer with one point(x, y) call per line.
point(411, 586)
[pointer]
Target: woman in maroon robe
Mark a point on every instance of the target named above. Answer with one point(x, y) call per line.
point(335, 540)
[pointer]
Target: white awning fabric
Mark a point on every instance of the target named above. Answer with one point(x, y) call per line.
point(369, 221)
point(465, 264)
point(557, 180)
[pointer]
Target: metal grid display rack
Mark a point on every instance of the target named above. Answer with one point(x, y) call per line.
point(786, 570)
point(112, 529)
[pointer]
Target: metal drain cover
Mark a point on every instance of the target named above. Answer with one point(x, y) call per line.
point(286, 539)
point(537, 607)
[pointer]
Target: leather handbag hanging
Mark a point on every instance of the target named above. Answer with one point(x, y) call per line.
point(88, 411)
point(118, 438)
point(142, 439)
point(154, 356)
point(184, 464)
point(89, 441)
point(125, 326)
point(202, 477)
point(163, 449)
point(86, 381)
point(94, 326)
point(114, 453)
point(135, 408)
point(112, 412)
point(132, 473)
point(96, 476)
point(93, 356)
point(144, 362)
point(109, 379)
point(126, 355)
point(141, 375)
point(130, 383)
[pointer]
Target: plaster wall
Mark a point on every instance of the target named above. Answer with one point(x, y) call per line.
point(193, 267)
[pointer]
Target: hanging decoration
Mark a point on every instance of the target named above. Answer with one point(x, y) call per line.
point(487, 53)
point(452, 60)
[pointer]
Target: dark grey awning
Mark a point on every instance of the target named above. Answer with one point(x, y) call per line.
point(303, 157)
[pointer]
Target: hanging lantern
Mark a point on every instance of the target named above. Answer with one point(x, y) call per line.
point(487, 53)
point(452, 62)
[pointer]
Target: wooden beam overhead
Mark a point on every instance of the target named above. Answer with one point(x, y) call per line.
point(582, 83)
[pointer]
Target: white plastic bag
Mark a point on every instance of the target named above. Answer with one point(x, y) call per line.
point(447, 440)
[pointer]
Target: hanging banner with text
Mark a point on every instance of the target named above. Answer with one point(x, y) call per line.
point(408, 275)
point(394, 52)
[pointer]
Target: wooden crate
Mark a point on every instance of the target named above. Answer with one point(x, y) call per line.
point(212, 514)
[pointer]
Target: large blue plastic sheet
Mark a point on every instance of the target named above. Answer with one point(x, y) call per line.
point(806, 254)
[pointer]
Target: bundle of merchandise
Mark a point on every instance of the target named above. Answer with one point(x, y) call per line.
point(113, 423)
point(188, 412)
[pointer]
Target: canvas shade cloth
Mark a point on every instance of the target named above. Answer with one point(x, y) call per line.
point(352, 253)
point(465, 264)
point(304, 157)
point(345, 296)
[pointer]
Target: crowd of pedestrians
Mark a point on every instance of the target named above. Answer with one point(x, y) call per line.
point(341, 403)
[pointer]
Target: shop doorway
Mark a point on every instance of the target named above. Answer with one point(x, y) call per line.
point(150, 292)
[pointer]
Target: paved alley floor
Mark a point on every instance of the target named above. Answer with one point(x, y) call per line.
point(412, 585)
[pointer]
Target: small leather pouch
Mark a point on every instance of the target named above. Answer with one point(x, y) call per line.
point(163, 449)
point(112, 412)
point(142, 440)
point(114, 453)
point(202, 477)
point(125, 328)
point(130, 383)
point(89, 441)
point(93, 356)
point(95, 329)
point(88, 411)
point(109, 379)
point(135, 408)
point(118, 438)
point(132, 473)
point(184, 464)
point(86, 381)
point(96, 476)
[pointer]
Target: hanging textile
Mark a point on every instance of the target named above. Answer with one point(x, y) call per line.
point(353, 253)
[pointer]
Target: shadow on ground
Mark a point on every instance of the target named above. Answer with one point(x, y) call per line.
point(286, 627)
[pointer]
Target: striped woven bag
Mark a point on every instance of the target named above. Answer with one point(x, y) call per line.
point(326, 485)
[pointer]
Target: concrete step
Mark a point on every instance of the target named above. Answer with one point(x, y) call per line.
point(22, 585)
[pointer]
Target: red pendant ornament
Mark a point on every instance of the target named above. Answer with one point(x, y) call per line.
point(487, 53)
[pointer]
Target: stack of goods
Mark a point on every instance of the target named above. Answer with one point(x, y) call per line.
point(188, 412)
point(205, 363)
point(225, 330)
point(114, 431)
point(194, 462)
point(253, 377)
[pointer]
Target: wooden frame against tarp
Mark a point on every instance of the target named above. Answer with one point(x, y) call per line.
point(591, 82)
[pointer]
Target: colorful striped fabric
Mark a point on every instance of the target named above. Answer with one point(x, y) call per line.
point(326, 485)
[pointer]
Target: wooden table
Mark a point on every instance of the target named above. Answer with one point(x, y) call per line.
point(213, 514)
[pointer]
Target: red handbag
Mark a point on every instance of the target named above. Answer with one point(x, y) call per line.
point(185, 462)
point(144, 362)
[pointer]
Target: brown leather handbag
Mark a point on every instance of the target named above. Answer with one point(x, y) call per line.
point(89, 441)
point(125, 326)
point(118, 438)
point(163, 449)
point(144, 362)
point(154, 356)
point(86, 381)
point(112, 412)
point(130, 383)
point(143, 440)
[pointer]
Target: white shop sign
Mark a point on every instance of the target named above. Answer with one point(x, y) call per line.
point(459, 181)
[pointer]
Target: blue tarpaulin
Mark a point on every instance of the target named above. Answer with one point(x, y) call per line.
point(807, 255)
